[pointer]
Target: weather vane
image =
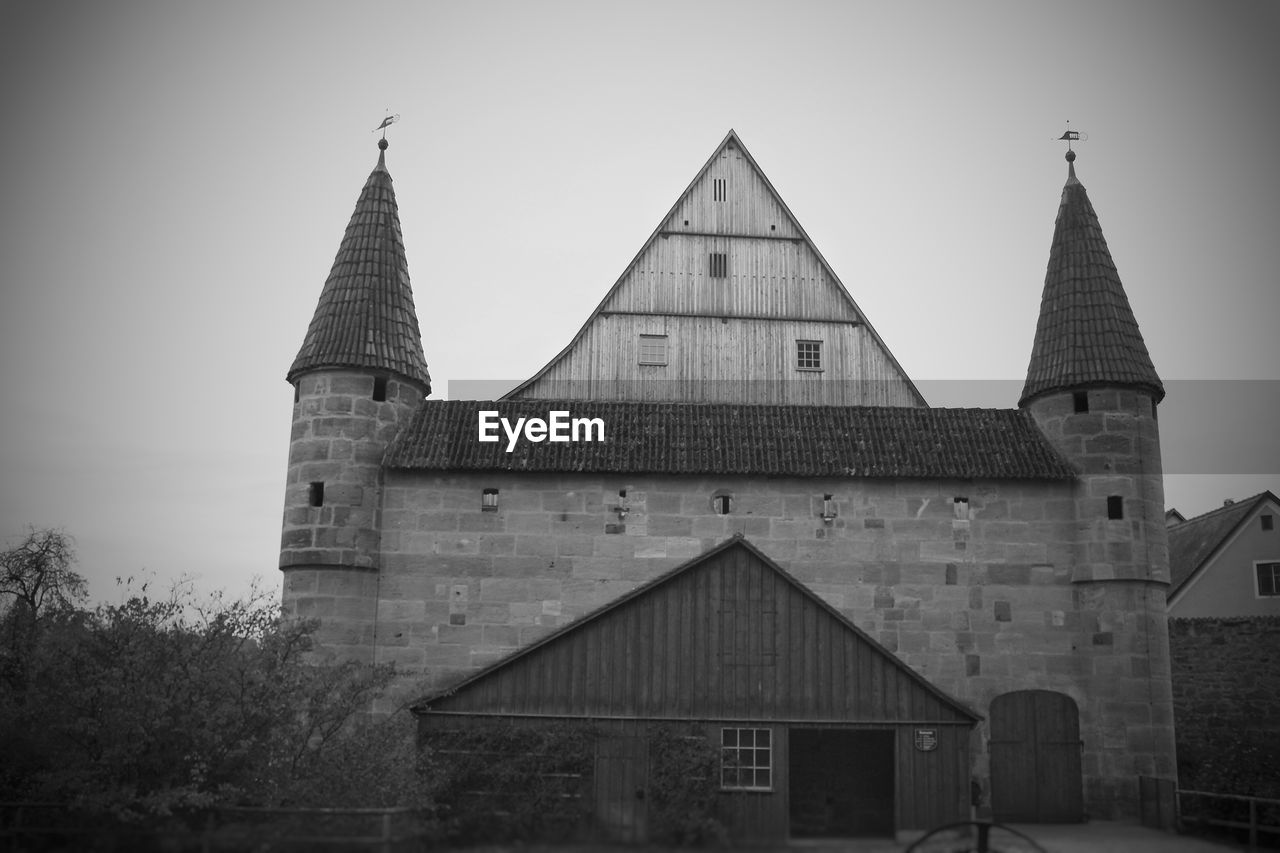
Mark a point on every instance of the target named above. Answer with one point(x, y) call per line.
point(387, 122)
point(1072, 136)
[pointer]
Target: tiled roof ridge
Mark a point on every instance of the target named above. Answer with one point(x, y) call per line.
point(1234, 506)
point(1086, 333)
point(740, 439)
point(365, 316)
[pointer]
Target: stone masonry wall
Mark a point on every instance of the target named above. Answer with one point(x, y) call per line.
point(977, 596)
point(1225, 677)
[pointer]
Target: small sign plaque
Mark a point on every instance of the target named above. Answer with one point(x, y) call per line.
point(926, 740)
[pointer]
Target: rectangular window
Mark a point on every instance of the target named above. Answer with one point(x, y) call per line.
point(746, 759)
point(717, 189)
point(1268, 579)
point(808, 355)
point(1080, 401)
point(315, 494)
point(719, 265)
point(1115, 507)
point(489, 500)
point(653, 349)
point(1268, 522)
point(960, 506)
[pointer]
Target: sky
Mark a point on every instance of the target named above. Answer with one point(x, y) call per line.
point(175, 178)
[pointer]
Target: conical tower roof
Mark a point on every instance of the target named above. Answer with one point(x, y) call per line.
point(365, 317)
point(1086, 334)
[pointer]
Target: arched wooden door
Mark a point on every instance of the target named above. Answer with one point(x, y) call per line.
point(1035, 758)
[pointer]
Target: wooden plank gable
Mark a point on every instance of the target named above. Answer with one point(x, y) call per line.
point(730, 283)
point(728, 636)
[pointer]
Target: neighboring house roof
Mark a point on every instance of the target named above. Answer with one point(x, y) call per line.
point(730, 140)
point(729, 634)
point(1193, 542)
point(1172, 516)
point(690, 438)
point(365, 317)
point(1086, 334)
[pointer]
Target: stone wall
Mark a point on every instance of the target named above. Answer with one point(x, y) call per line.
point(1225, 677)
point(977, 595)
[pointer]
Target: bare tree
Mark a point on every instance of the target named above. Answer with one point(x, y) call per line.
point(39, 572)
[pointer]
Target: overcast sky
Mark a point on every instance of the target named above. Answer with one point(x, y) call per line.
point(175, 178)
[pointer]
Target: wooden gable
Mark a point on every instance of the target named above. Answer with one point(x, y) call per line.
point(727, 636)
point(730, 282)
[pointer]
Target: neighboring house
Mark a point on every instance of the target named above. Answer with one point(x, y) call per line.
point(868, 605)
point(1227, 561)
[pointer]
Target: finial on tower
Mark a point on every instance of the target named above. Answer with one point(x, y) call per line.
point(1071, 136)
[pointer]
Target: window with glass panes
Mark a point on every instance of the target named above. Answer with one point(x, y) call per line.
point(746, 759)
point(653, 349)
point(1268, 579)
point(809, 355)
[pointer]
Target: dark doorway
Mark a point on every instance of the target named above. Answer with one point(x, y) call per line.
point(1035, 758)
point(621, 768)
point(841, 783)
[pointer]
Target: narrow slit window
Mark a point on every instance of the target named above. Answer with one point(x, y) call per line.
point(653, 349)
point(379, 389)
point(489, 500)
point(828, 506)
point(297, 391)
point(719, 265)
point(808, 355)
point(315, 495)
point(717, 189)
point(1080, 400)
point(1115, 507)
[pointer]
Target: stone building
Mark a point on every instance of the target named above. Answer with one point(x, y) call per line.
point(754, 504)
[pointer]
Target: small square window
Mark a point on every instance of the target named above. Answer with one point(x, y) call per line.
point(746, 759)
point(722, 503)
point(1268, 579)
point(719, 265)
point(489, 500)
point(653, 349)
point(1268, 522)
point(808, 355)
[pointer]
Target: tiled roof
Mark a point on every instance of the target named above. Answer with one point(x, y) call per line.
point(687, 438)
point(1193, 541)
point(365, 317)
point(1086, 334)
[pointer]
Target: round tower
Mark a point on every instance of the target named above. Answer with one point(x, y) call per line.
point(358, 378)
point(1092, 389)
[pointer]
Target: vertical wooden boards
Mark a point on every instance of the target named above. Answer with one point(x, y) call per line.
point(727, 636)
point(1036, 775)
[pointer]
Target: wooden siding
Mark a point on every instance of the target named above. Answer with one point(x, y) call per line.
point(764, 278)
point(730, 361)
point(737, 328)
point(729, 636)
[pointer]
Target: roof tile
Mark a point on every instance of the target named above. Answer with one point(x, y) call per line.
point(688, 438)
point(365, 317)
point(1086, 334)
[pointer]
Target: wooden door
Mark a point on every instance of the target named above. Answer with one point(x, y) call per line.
point(1035, 758)
point(621, 776)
